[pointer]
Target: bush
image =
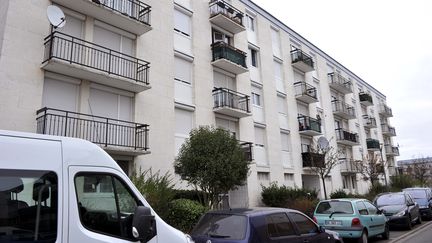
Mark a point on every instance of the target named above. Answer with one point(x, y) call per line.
point(157, 189)
point(278, 196)
point(190, 194)
point(400, 182)
point(342, 194)
point(184, 214)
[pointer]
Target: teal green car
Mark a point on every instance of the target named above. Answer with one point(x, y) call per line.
point(352, 218)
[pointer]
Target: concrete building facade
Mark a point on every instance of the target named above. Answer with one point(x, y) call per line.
point(136, 76)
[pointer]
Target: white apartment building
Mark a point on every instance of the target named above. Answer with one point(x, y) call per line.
point(135, 76)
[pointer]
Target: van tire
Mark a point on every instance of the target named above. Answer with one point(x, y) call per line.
point(363, 238)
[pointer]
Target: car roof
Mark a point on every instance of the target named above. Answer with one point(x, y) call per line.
point(252, 211)
point(416, 188)
point(344, 200)
point(391, 193)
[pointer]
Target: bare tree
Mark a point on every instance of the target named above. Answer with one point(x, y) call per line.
point(371, 167)
point(322, 161)
point(420, 170)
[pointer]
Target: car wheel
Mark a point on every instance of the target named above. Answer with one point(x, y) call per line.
point(409, 223)
point(363, 238)
point(419, 219)
point(386, 234)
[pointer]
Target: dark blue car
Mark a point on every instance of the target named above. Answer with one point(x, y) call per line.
point(259, 225)
point(423, 197)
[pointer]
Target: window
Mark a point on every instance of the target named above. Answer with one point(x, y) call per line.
point(256, 99)
point(288, 177)
point(105, 204)
point(182, 23)
point(285, 142)
point(275, 43)
point(263, 176)
point(259, 137)
point(250, 23)
point(282, 105)
point(226, 226)
point(371, 208)
point(183, 81)
point(110, 37)
point(253, 57)
point(279, 225)
point(305, 225)
point(222, 37)
point(278, 76)
point(334, 206)
point(28, 203)
point(183, 125)
point(361, 208)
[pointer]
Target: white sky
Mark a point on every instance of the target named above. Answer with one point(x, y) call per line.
point(388, 43)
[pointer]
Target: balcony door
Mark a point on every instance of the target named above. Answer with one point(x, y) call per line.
point(228, 125)
point(113, 110)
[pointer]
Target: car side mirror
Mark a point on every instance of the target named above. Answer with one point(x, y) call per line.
point(321, 229)
point(143, 224)
point(379, 211)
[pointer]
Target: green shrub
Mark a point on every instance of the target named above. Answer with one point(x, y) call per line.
point(338, 194)
point(184, 214)
point(278, 196)
point(400, 182)
point(193, 195)
point(157, 189)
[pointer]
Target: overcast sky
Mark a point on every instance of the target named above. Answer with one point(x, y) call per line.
point(388, 43)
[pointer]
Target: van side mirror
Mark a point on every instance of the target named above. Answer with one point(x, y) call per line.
point(143, 224)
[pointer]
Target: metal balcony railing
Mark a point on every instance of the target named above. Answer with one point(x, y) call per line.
point(340, 107)
point(365, 97)
point(341, 135)
point(309, 123)
point(298, 55)
point(311, 158)
point(388, 130)
point(303, 88)
point(373, 144)
point(338, 80)
point(386, 111)
point(226, 9)
point(222, 50)
point(99, 130)
point(247, 147)
point(80, 52)
point(348, 166)
point(228, 98)
point(369, 121)
point(391, 150)
point(134, 9)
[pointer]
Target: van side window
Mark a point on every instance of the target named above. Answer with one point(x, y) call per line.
point(28, 206)
point(106, 205)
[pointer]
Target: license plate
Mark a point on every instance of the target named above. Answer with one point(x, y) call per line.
point(333, 222)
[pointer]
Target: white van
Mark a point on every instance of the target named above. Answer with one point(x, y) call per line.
point(58, 189)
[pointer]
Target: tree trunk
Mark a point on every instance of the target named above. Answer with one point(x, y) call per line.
point(324, 186)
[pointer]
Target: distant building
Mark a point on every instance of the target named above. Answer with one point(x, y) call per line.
point(416, 167)
point(137, 76)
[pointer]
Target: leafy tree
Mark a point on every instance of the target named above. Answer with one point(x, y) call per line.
point(213, 161)
point(420, 170)
point(371, 167)
point(322, 161)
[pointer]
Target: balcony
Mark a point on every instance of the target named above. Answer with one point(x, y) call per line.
point(228, 58)
point(225, 16)
point(311, 158)
point(348, 166)
point(385, 111)
point(231, 103)
point(347, 138)
point(130, 15)
point(85, 60)
point(339, 83)
point(388, 130)
point(369, 122)
point(302, 61)
point(365, 99)
point(305, 92)
point(113, 135)
point(309, 126)
point(343, 110)
point(372, 144)
point(247, 147)
point(391, 150)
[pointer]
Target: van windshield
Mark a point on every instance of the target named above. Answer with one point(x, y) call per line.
point(223, 226)
point(339, 207)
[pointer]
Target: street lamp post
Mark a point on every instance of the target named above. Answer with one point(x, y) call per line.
point(382, 163)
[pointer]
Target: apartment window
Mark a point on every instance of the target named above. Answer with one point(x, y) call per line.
point(288, 177)
point(60, 94)
point(228, 125)
point(263, 176)
point(182, 23)
point(260, 137)
point(254, 57)
point(256, 99)
point(275, 42)
point(74, 26)
point(183, 80)
point(183, 126)
point(111, 103)
point(114, 39)
point(250, 22)
point(222, 37)
point(282, 105)
point(280, 87)
point(222, 80)
point(285, 142)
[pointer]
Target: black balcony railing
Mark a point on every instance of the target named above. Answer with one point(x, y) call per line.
point(96, 129)
point(303, 88)
point(80, 52)
point(341, 134)
point(228, 98)
point(309, 123)
point(222, 50)
point(365, 97)
point(311, 158)
point(298, 55)
point(247, 147)
point(373, 144)
point(226, 9)
point(134, 9)
point(342, 107)
point(337, 79)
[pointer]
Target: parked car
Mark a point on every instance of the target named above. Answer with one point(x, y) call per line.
point(399, 208)
point(423, 197)
point(256, 225)
point(352, 218)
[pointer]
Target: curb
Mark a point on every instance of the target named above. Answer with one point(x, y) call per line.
point(410, 233)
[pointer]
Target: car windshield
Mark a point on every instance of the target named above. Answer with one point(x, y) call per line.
point(417, 194)
point(335, 207)
point(390, 199)
point(226, 226)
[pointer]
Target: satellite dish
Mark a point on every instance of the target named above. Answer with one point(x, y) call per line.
point(56, 16)
point(323, 143)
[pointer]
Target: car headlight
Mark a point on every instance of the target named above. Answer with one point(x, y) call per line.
point(401, 213)
point(189, 239)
